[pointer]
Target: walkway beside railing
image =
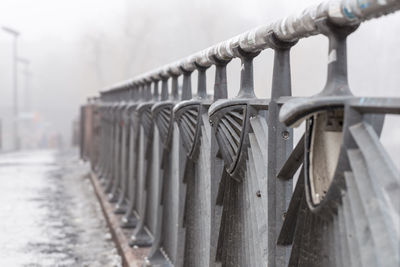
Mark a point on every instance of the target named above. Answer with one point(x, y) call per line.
point(208, 181)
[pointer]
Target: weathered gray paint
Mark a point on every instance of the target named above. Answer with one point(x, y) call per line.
point(207, 181)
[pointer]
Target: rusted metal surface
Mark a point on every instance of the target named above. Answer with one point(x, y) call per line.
point(208, 181)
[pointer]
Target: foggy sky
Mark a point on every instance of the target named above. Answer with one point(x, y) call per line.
point(78, 47)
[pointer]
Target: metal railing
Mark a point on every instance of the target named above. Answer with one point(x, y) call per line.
point(208, 181)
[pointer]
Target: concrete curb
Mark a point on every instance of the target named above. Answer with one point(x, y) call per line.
point(131, 257)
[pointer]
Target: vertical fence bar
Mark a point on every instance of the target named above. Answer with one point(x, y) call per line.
point(129, 220)
point(218, 172)
point(120, 149)
point(120, 207)
point(240, 129)
point(195, 173)
point(143, 234)
point(162, 116)
point(280, 143)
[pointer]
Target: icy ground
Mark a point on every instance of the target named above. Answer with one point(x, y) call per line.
point(49, 214)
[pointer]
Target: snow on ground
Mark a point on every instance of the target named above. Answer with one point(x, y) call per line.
point(49, 214)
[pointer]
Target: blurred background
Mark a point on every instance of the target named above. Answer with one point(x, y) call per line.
point(69, 50)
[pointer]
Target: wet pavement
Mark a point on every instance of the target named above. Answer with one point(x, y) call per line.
point(50, 215)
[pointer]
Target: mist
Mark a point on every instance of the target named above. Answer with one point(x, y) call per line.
point(77, 48)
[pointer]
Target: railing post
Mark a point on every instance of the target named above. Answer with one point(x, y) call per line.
point(165, 226)
point(220, 84)
point(174, 88)
point(194, 172)
point(120, 207)
point(129, 219)
point(114, 144)
point(280, 143)
point(186, 85)
point(147, 177)
point(239, 125)
point(218, 172)
point(120, 149)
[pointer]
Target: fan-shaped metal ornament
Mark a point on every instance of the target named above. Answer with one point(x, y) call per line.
point(230, 123)
point(341, 213)
point(187, 115)
point(162, 114)
point(145, 117)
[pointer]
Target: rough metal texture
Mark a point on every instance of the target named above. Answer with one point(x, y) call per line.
point(209, 182)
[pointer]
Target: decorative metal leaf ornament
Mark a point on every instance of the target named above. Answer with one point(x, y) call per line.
point(187, 117)
point(343, 212)
point(230, 126)
point(162, 115)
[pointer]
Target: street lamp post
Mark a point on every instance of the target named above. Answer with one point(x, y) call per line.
point(27, 74)
point(15, 35)
point(25, 128)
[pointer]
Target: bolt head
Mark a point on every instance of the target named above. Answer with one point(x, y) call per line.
point(285, 135)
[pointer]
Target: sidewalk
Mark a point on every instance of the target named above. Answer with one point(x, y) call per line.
point(49, 213)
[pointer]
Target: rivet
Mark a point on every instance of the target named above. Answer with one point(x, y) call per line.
point(285, 135)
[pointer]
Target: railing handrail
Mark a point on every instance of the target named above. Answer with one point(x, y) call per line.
point(290, 28)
